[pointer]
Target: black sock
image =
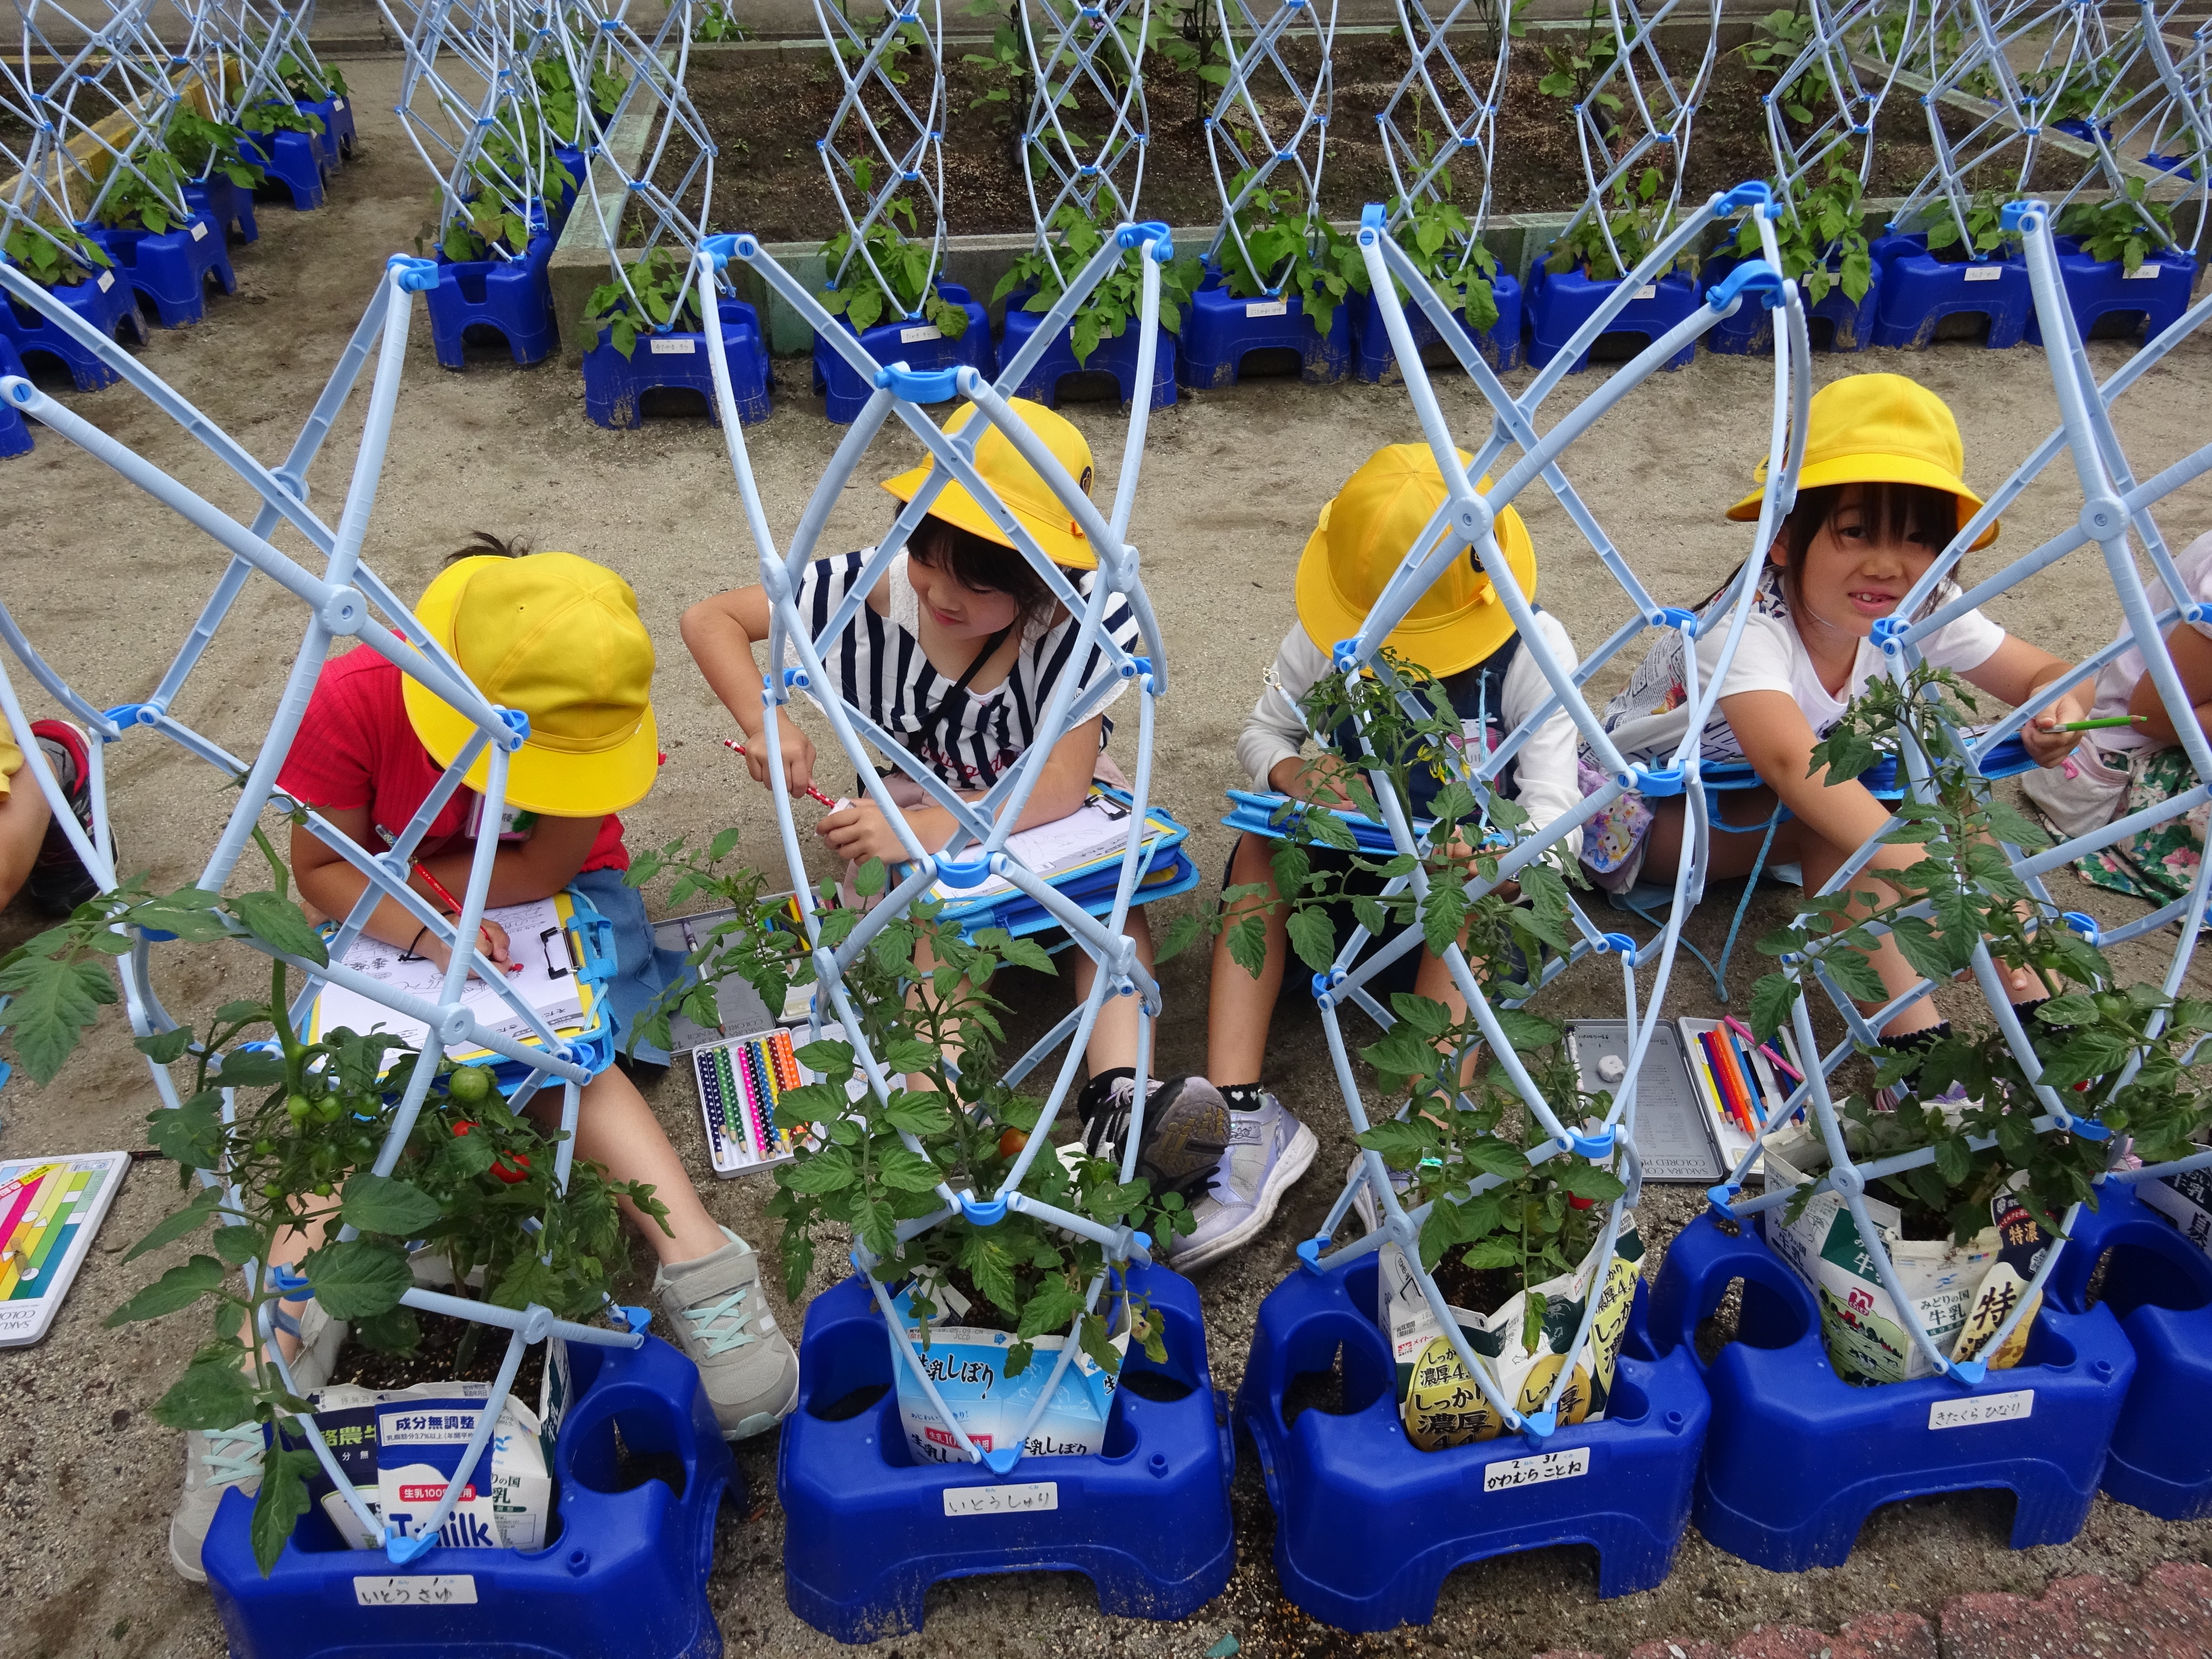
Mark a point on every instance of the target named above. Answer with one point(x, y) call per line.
point(1917, 1042)
point(1244, 1096)
point(2025, 1012)
point(1092, 1100)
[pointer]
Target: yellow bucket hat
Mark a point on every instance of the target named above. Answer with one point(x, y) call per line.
point(1879, 429)
point(1363, 537)
point(558, 637)
point(1018, 484)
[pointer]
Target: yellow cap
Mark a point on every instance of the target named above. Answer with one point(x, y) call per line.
point(1362, 538)
point(558, 637)
point(1018, 484)
point(1879, 429)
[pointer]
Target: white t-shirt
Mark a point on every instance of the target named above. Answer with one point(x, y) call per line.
point(1544, 769)
point(1648, 719)
point(2116, 684)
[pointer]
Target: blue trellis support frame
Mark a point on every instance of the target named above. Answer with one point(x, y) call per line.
point(977, 846)
point(2153, 113)
point(1465, 520)
point(869, 168)
point(1086, 64)
point(1254, 143)
point(2115, 517)
point(345, 599)
point(1852, 90)
point(109, 99)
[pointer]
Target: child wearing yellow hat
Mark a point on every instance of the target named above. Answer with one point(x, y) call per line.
point(558, 638)
point(955, 652)
point(1463, 633)
point(1880, 496)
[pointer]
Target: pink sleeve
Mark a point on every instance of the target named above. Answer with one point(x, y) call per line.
point(330, 762)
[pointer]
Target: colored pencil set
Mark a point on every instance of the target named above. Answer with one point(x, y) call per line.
point(739, 1083)
point(1741, 1080)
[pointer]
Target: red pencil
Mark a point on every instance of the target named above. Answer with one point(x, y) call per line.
point(439, 888)
point(1724, 1076)
point(811, 792)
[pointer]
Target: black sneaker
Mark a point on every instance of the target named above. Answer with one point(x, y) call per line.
point(1185, 1127)
point(59, 882)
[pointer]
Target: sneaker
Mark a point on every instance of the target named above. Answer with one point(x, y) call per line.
point(1268, 1150)
point(1186, 1128)
point(320, 1338)
point(723, 1323)
point(59, 882)
point(1363, 1196)
point(215, 1461)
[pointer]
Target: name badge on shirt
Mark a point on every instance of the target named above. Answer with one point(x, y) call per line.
point(515, 823)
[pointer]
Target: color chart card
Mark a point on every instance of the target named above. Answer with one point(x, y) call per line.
point(50, 1207)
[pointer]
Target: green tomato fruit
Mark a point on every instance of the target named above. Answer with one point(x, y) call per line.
point(322, 1189)
point(298, 1107)
point(272, 1189)
point(263, 1148)
point(469, 1085)
point(327, 1111)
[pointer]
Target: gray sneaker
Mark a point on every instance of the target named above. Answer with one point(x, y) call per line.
point(215, 1461)
point(1268, 1150)
point(1186, 1128)
point(722, 1320)
point(1362, 1197)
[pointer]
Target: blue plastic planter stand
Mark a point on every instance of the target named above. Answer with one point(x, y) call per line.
point(1116, 357)
point(2158, 1287)
point(1750, 332)
point(1367, 1527)
point(625, 1578)
point(1373, 361)
point(171, 268)
point(513, 298)
point(1919, 290)
point(15, 430)
point(2155, 296)
point(293, 160)
point(336, 139)
point(613, 384)
point(574, 161)
point(1558, 304)
point(920, 346)
point(106, 301)
point(226, 204)
point(1219, 330)
point(867, 1530)
point(1797, 1458)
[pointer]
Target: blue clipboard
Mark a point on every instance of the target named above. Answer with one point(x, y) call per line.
point(1165, 871)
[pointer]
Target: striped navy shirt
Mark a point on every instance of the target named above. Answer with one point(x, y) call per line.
point(877, 666)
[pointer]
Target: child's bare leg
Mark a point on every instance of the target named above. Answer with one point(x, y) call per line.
point(23, 820)
point(1240, 1007)
point(616, 1130)
point(1114, 1035)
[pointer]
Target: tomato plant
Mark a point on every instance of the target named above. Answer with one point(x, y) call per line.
point(1120, 294)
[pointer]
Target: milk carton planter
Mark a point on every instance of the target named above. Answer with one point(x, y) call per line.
point(512, 298)
point(679, 360)
point(104, 300)
point(869, 1524)
point(1797, 1458)
point(1368, 1527)
point(171, 267)
point(1918, 291)
point(226, 204)
point(2158, 1284)
point(1116, 356)
point(2155, 294)
point(624, 1570)
point(1750, 332)
point(920, 344)
point(1220, 330)
point(1500, 344)
point(1559, 302)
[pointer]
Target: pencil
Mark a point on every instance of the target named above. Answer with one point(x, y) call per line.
point(809, 792)
point(1708, 1085)
point(1723, 1064)
point(1741, 1055)
point(2106, 723)
point(439, 888)
point(1772, 1050)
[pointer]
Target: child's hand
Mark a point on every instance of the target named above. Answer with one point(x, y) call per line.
point(797, 757)
point(859, 832)
point(2045, 745)
point(492, 941)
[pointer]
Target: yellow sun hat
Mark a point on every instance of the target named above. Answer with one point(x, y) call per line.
point(1018, 484)
point(558, 637)
point(1879, 429)
point(1362, 538)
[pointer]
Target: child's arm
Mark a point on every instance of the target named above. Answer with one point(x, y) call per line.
point(2192, 660)
point(1269, 750)
point(861, 832)
point(721, 633)
point(2018, 671)
point(1777, 741)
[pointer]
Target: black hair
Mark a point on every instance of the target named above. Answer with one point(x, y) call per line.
point(1895, 510)
point(983, 566)
point(482, 544)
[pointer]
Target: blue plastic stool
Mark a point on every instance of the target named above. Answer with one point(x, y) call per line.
point(293, 160)
point(1219, 330)
point(1919, 290)
point(866, 1532)
point(1367, 1527)
point(575, 161)
point(514, 298)
point(2184, 164)
point(1559, 304)
point(171, 268)
point(920, 346)
point(1750, 332)
point(613, 384)
point(15, 430)
point(336, 141)
point(1116, 357)
point(1797, 1458)
point(2156, 295)
point(625, 1574)
point(226, 204)
point(106, 301)
point(1373, 361)
point(2158, 1287)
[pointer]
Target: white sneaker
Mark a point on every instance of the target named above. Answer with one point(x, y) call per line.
point(1268, 1150)
point(722, 1322)
point(1363, 1196)
point(215, 1461)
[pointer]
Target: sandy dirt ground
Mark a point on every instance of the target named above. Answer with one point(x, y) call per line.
point(108, 584)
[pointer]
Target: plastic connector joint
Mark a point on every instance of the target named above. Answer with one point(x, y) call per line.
point(1371, 216)
point(1674, 616)
point(1597, 1145)
point(1752, 193)
point(932, 386)
point(1752, 277)
point(2081, 923)
point(983, 1211)
point(721, 249)
point(1657, 782)
point(1154, 231)
point(963, 873)
point(416, 275)
point(2013, 214)
point(1887, 628)
point(1720, 1197)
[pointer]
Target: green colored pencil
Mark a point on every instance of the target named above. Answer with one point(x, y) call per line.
point(2104, 724)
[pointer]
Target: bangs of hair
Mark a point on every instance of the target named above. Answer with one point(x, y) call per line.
point(1894, 512)
point(983, 566)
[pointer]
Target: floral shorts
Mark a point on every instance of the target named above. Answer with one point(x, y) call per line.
point(1614, 841)
point(2160, 864)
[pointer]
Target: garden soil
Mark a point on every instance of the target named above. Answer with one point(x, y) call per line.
point(107, 585)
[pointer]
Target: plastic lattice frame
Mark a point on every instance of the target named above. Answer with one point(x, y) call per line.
point(870, 165)
point(1465, 519)
point(108, 101)
point(2116, 523)
point(1431, 164)
point(1842, 92)
point(2152, 116)
point(1246, 145)
point(346, 598)
point(977, 848)
point(1086, 65)
point(243, 50)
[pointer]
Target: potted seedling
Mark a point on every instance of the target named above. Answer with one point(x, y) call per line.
point(659, 305)
point(1595, 255)
point(220, 178)
point(1963, 264)
point(287, 140)
point(881, 290)
point(1822, 240)
point(163, 248)
point(1283, 280)
point(75, 271)
point(1100, 335)
point(2118, 257)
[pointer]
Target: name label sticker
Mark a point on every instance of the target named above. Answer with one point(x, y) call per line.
point(1023, 1498)
point(675, 348)
point(920, 331)
point(1978, 1409)
point(1649, 291)
point(1983, 273)
point(337, 103)
point(1268, 309)
point(437, 1589)
point(200, 230)
point(1535, 1471)
point(2148, 268)
point(106, 281)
